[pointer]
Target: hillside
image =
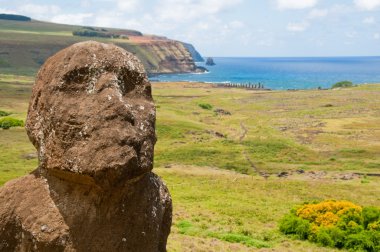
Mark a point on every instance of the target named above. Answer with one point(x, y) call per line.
point(25, 45)
point(212, 160)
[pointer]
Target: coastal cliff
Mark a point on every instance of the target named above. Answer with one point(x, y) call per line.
point(24, 46)
point(162, 55)
point(194, 53)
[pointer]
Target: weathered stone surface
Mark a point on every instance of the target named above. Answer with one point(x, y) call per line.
point(92, 119)
point(92, 113)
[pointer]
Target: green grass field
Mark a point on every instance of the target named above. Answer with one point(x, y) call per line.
point(221, 168)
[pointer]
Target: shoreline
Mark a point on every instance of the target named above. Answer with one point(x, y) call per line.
point(236, 86)
point(30, 79)
point(284, 73)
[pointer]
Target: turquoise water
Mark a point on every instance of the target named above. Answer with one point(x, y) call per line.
point(286, 73)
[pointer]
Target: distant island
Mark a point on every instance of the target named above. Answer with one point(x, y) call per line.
point(210, 62)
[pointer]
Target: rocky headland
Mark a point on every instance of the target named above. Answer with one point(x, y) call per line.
point(37, 41)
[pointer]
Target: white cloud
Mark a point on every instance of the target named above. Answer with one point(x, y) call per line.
point(297, 27)
point(369, 20)
point(228, 28)
point(196, 21)
point(367, 4)
point(185, 10)
point(36, 10)
point(114, 20)
point(7, 11)
point(85, 3)
point(376, 36)
point(78, 18)
point(132, 23)
point(127, 5)
point(265, 42)
point(235, 24)
point(296, 4)
point(203, 26)
point(342, 9)
point(318, 13)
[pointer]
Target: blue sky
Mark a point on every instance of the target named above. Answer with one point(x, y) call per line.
point(258, 28)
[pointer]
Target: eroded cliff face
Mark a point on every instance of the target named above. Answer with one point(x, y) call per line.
point(167, 57)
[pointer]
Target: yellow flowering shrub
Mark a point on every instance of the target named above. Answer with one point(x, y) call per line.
point(326, 219)
point(326, 213)
point(340, 224)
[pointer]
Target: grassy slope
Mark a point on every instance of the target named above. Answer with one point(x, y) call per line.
point(285, 131)
point(25, 46)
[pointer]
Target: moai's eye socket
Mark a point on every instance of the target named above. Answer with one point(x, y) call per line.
point(77, 75)
point(128, 80)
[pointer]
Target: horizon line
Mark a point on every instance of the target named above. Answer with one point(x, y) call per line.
point(346, 56)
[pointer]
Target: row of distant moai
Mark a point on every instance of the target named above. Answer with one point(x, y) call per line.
point(243, 85)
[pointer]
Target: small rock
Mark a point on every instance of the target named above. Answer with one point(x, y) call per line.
point(210, 61)
point(44, 228)
point(328, 105)
point(283, 174)
point(216, 133)
point(220, 111)
point(300, 171)
point(283, 128)
point(348, 176)
point(264, 175)
point(317, 174)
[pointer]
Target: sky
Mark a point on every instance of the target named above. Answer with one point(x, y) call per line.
point(242, 28)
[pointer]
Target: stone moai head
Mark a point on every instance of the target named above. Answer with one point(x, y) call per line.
point(92, 116)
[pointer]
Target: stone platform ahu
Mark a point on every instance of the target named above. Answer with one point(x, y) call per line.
point(92, 119)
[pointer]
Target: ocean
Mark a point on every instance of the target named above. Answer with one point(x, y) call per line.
point(285, 73)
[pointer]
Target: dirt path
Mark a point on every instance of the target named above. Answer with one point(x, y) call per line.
point(245, 131)
point(245, 153)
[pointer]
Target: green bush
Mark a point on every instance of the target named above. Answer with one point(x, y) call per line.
point(351, 221)
point(339, 224)
point(370, 215)
point(364, 241)
point(291, 224)
point(205, 106)
point(342, 84)
point(95, 33)
point(324, 238)
point(7, 122)
point(374, 226)
point(337, 235)
point(3, 113)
